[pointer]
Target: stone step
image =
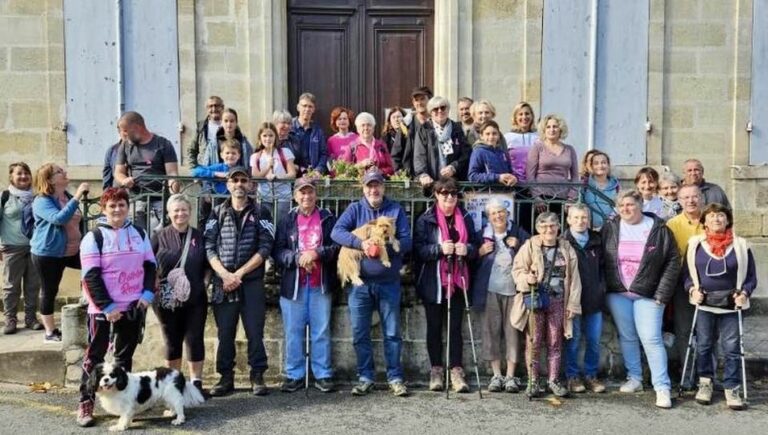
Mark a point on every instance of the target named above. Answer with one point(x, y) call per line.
point(25, 358)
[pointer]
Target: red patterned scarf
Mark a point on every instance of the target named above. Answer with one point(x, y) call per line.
point(719, 242)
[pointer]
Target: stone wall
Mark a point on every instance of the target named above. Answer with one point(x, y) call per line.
point(415, 360)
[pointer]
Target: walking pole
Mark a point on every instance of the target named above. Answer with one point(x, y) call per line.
point(307, 343)
point(743, 360)
point(469, 325)
point(529, 344)
point(688, 352)
point(449, 259)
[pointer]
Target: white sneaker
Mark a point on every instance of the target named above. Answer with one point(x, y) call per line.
point(663, 399)
point(631, 386)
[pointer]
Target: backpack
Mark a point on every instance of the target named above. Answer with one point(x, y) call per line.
point(99, 238)
point(27, 217)
point(280, 154)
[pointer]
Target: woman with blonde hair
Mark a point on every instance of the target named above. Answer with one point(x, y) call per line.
point(482, 111)
point(55, 243)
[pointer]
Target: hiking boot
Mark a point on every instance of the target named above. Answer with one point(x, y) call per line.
point(398, 389)
point(325, 385)
point(292, 385)
point(53, 338)
point(631, 386)
point(496, 384)
point(258, 387)
point(436, 375)
point(733, 399)
point(362, 388)
point(10, 326)
point(224, 387)
point(558, 389)
point(704, 395)
point(85, 413)
point(533, 389)
point(512, 384)
point(664, 399)
point(576, 386)
point(32, 324)
point(594, 385)
point(457, 380)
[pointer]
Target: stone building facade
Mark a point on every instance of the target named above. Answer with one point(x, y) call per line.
point(700, 79)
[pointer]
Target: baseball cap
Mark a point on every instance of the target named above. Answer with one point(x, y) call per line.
point(421, 90)
point(373, 175)
point(304, 182)
point(237, 170)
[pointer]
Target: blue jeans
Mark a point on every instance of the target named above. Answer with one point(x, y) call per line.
point(384, 297)
point(295, 316)
point(639, 321)
point(708, 325)
point(591, 326)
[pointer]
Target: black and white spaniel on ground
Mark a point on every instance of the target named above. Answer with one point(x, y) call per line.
point(127, 394)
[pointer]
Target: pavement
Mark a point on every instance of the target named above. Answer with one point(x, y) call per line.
point(423, 413)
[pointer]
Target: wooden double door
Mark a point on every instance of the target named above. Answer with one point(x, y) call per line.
point(363, 54)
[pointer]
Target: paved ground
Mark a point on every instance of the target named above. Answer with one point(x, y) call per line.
point(424, 413)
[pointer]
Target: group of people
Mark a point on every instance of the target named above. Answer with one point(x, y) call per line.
point(645, 256)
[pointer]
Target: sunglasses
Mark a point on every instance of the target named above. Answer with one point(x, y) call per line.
point(440, 109)
point(240, 180)
point(448, 193)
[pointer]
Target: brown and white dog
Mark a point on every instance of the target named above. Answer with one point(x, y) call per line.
point(381, 231)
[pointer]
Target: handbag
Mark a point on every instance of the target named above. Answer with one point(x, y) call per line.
point(720, 299)
point(540, 301)
point(174, 289)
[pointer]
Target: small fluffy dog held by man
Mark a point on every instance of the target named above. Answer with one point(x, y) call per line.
point(126, 394)
point(380, 231)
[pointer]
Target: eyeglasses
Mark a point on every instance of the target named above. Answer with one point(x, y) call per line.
point(240, 180)
point(448, 193)
point(440, 109)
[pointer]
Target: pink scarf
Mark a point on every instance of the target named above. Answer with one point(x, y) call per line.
point(460, 274)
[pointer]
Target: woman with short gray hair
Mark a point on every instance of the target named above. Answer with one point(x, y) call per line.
point(440, 148)
point(285, 137)
point(549, 265)
point(493, 293)
point(366, 151)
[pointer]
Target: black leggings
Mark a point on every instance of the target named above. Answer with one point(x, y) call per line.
point(126, 338)
point(184, 324)
point(435, 314)
point(50, 270)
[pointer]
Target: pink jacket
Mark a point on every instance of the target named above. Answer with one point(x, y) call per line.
point(358, 151)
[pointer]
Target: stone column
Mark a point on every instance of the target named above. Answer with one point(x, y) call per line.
point(74, 341)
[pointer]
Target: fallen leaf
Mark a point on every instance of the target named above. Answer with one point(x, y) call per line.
point(41, 387)
point(554, 401)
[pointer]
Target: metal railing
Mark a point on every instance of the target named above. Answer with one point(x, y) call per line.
point(148, 204)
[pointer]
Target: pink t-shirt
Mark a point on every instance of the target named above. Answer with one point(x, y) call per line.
point(72, 229)
point(632, 240)
point(338, 144)
point(310, 238)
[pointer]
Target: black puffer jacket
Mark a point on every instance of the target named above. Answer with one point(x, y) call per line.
point(591, 265)
point(234, 245)
point(659, 267)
